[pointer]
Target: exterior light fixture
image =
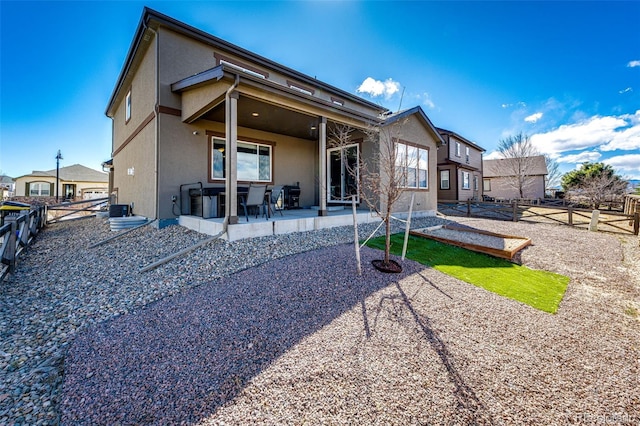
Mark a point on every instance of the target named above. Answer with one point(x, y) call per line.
point(255, 114)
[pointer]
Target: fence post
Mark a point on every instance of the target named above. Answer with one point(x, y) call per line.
point(468, 207)
point(636, 223)
point(515, 210)
point(12, 247)
point(570, 215)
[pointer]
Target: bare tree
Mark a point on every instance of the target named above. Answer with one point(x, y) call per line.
point(384, 176)
point(593, 184)
point(521, 162)
point(553, 172)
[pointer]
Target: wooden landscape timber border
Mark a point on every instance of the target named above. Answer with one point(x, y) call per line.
point(563, 215)
point(16, 235)
point(502, 253)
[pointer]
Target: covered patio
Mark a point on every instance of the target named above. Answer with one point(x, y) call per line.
point(297, 220)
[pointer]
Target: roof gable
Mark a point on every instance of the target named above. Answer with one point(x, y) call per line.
point(76, 172)
point(420, 114)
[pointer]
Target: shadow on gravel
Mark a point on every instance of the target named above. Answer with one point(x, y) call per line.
point(178, 360)
point(469, 405)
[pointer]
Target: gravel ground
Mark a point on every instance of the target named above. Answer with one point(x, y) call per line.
point(302, 339)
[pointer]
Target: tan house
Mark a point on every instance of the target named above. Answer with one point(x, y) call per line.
point(190, 108)
point(515, 178)
point(75, 182)
point(459, 168)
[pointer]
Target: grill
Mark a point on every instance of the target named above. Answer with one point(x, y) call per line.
point(291, 197)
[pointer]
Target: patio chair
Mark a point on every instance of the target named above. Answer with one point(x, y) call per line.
point(255, 198)
point(275, 194)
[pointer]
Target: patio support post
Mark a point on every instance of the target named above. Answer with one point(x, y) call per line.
point(322, 143)
point(231, 166)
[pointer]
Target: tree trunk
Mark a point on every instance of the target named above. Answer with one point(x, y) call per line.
point(387, 241)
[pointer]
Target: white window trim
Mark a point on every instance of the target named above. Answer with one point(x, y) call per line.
point(466, 183)
point(448, 179)
point(40, 186)
point(127, 107)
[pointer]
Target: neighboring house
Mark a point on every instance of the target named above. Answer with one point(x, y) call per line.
point(189, 107)
point(459, 168)
point(75, 182)
point(515, 178)
point(7, 187)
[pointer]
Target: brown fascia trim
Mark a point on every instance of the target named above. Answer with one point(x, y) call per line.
point(160, 19)
point(462, 139)
point(169, 111)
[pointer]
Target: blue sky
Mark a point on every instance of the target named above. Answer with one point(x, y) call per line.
point(565, 73)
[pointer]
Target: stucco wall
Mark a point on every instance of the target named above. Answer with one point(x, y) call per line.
point(501, 188)
point(184, 158)
point(414, 132)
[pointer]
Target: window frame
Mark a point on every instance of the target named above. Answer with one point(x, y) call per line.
point(467, 153)
point(127, 107)
point(40, 185)
point(486, 185)
point(458, 150)
point(466, 180)
point(403, 148)
point(448, 180)
point(213, 176)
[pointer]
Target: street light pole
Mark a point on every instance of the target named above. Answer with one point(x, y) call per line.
point(58, 158)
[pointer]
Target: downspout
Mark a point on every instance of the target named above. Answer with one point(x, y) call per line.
point(227, 183)
point(157, 127)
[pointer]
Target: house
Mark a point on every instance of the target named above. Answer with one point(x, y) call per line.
point(7, 187)
point(75, 182)
point(459, 168)
point(191, 108)
point(515, 178)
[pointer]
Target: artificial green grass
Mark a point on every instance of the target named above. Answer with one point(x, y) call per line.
point(540, 289)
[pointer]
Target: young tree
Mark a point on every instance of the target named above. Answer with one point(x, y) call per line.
point(521, 164)
point(383, 177)
point(593, 183)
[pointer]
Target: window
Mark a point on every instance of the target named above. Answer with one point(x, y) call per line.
point(444, 179)
point(486, 184)
point(465, 180)
point(475, 183)
point(412, 165)
point(39, 189)
point(466, 151)
point(254, 161)
point(457, 149)
point(127, 107)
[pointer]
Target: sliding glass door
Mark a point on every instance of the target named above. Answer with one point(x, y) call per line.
point(342, 174)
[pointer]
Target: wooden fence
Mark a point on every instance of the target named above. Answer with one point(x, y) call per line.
point(609, 221)
point(75, 209)
point(16, 234)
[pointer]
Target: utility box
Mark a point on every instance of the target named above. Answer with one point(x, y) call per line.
point(118, 210)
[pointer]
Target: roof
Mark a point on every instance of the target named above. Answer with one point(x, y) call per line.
point(154, 19)
point(6, 179)
point(76, 172)
point(418, 111)
point(537, 166)
point(462, 138)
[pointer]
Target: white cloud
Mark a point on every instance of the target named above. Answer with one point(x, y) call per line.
point(518, 104)
point(626, 165)
point(427, 101)
point(494, 155)
point(626, 139)
point(377, 88)
point(533, 117)
point(582, 157)
point(628, 89)
point(633, 64)
point(608, 132)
